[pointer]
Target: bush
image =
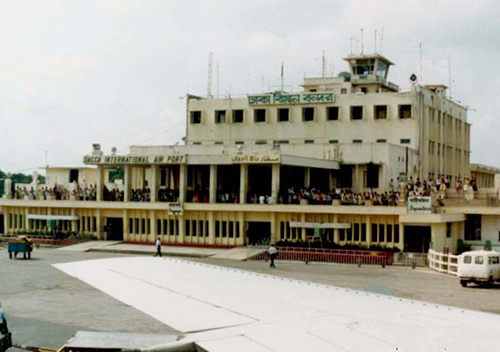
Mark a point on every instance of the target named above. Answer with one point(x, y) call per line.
point(332, 245)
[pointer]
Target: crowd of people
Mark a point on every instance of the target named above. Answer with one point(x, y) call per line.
point(336, 196)
point(168, 195)
point(140, 194)
point(114, 195)
point(88, 193)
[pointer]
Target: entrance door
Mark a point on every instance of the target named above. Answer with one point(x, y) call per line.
point(258, 232)
point(1, 224)
point(417, 239)
point(114, 229)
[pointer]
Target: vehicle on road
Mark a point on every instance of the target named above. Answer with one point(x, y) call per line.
point(479, 267)
point(20, 245)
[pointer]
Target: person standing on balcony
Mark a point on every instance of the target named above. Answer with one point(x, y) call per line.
point(272, 255)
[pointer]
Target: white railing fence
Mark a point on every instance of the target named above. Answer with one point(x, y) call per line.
point(443, 262)
point(410, 259)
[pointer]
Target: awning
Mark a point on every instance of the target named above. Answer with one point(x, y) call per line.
point(52, 217)
point(320, 225)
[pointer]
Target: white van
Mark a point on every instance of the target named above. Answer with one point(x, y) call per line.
point(479, 267)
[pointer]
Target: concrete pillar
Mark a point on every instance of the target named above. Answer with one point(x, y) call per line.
point(100, 183)
point(213, 184)
point(73, 222)
point(100, 226)
point(303, 230)
point(275, 185)
point(401, 243)
point(182, 229)
point(126, 227)
point(127, 184)
point(6, 221)
point(336, 232)
point(369, 231)
point(243, 183)
point(182, 182)
point(7, 188)
point(154, 183)
point(26, 220)
point(153, 228)
point(211, 226)
point(307, 177)
point(274, 233)
point(242, 240)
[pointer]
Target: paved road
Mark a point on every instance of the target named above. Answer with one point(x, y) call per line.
point(45, 307)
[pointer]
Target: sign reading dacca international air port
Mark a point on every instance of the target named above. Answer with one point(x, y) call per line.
point(133, 159)
point(419, 205)
point(255, 158)
point(300, 98)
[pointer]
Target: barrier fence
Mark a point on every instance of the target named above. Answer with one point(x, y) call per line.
point(410, 259)
point(322, 255)
point(443, 262)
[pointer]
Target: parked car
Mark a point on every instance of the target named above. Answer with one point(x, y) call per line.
point(479, 267)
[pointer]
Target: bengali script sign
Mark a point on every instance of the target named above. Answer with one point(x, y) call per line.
point(279, 98)
point(419, 205)
point(133, 159)
point(255, 158)
point(175, 208)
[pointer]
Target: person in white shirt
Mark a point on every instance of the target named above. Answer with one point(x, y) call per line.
point(158, 247)
point(272, 255)
point(4, 330)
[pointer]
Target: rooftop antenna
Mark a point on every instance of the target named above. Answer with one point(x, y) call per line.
point(356, 40)
point(362, 30)
point(421, 74)
point(375, 42)
point(262, 84)
point(282, 74)
point(449, 73)
point(332, 69)
point(323, 65)
point(217, 79)
point(210, 72)
point(351, 42)
point(381, 39)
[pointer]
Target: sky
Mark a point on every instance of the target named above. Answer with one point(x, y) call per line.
point(115, 72)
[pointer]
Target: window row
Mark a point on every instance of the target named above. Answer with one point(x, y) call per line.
point(229, 229)
point(310, 141)
point(308, 114)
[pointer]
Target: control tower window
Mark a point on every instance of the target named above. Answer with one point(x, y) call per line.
point(259, 115)
point(195, 117)
point(381, 69)
point(405, 111)
point(220, 116)
point(356, 113)
point(380, 112)
point(364, 67)
point(237, 116)
point(308, 114)
point(283, 115)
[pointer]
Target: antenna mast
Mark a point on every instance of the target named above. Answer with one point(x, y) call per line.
point(282, 74)
point(323, 65)
point(381, 39)
point(217, 79)
point(210, 73)
point(449, 72)
point(375, 43)
point(421, 73)
point(362, 30)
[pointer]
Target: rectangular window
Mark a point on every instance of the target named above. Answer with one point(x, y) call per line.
point(239, 142)
point(448, 229)
point(307, 114)
point(349, 234)
point(171, 229)
point(238, 116)
point(224, 229)
point(165, 227)
point(207, 229)
point(363, 232)
point(396, 233)
point(357, 141)
point(282, 230)
point(193, 229)
point(467, 259)
point(342, 235)
point(479, 260)
point(473, 227)
point(220, 116)
point(283, 115)
point(381, 140)
point(231, 229)
point(195, 117)
point(158, 226)
point(200, 228)
point(381, 232)
point(405, 141)
point(217, 228)
point(281, 142)
point(218, 143)
point(356, 113)
point(260, 142)
point(259, 115)
point(405, 111)
point(343, 91)
point(130, 225)
point(389, 233)
point(332, 113)
point(333, 141)
point(237, 229)
point(143, 226)
point(372, 175)
point(309, 141)
point(380, 112)
point(356, 232)
point(176, 223)
point(374, 233)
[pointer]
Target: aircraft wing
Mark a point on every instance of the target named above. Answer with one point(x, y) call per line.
point(220, 309)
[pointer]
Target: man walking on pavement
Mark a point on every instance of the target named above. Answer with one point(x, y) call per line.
point(272, 255)
point(158, 247)
point(4, 330)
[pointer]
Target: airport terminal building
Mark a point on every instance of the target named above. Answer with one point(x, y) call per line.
point(326, 162)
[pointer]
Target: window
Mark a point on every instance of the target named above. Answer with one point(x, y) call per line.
point(73, 175)
point(193, 227)
point(405, 141)
point(448, 230)
point(363, 232)
point(239, 142)
point(343, 91)
point(307, 114)
point(196, 143)
point(237, 116)
point(405, 111)
point(374, 233)
point(381, 140)
point(188, 230)
point(231, 229)
point(220, 116)
point(356, 113)
point(237, 229)
point(389, 233)
point(200, 228)
point(473, 227)
point(309, 141)
point(364, 90)
point(224, 229)
point(332, 113)
point(261, 142)
point(283, 115)
point(217, 228)
point(218, 143)
point(467, 259)
point(283, 141)
point(479, 260)
point(381, 232)
point(356, 232)
point(372, 175)
point(380, 112)
point(171, 229)
point(195, 117)
point(333, 141)
point(357, 141)
point(259, 115)
point(494, 260)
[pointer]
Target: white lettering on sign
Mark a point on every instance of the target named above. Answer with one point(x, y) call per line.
point(134, 159)
point(255, 158)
